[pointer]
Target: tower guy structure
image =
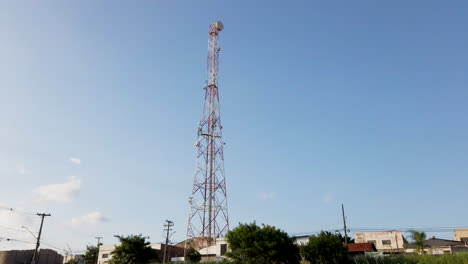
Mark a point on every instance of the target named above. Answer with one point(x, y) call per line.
point(208, 217)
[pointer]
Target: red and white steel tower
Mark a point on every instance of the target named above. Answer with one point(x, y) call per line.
point(208, 218)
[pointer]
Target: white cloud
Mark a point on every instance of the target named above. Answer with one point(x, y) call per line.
point(92, 218)
point(76, 161)
point(328, 198)
point(59, 192)
point(266, 195)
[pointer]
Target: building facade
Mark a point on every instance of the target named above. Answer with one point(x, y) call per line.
point(301, 240)
point(386, 241)
point(105, 252)
point(461, 234)
point(78, 258)
point(44, 256)
point(437, 246)
point(214, 252)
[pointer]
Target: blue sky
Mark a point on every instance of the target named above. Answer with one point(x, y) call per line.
point(323, 103)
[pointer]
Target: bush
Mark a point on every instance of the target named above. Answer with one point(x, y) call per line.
point(192, 255)
point(326, 248)
point(415, 259)
point(252, 244)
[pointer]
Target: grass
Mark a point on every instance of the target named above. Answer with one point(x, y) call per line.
point(415, 259)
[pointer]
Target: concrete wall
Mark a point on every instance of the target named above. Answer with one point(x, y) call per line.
point(78, 258)
point(216, 250)
point(460, 233)
point(172, 251)
point(45, 256)
point(433, 251)
point(304, 240)
point(384, 241)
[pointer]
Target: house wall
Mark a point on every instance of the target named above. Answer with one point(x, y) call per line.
point(172, 251)
point(216, 249)
point(460, 233)
point(433, 250)
point(301, 240)
point(45, 256)
point(384, 241)
point(78, 258)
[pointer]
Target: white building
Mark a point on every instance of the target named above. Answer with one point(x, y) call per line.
point(388, 241)
point(105, 252)
point(301, 240)
point(214, 252)
point(78, 258)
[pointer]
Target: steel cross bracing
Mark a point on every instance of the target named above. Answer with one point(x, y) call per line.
point(208, 218)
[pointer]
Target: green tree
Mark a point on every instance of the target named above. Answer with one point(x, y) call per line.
point(252, 244)
point(133, 249)
point(91, 254)
point(325, 248)
point(192, 255)
point(418, 239)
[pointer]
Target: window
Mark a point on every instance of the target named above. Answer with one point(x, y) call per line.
point(105, 255)
point(386, 242)
point(464, 239)
point(372, 241)
point(223, 249)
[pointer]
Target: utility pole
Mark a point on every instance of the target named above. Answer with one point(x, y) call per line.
point(43, 215)
point(167, 229)
point(98, 244)
point(344, 224)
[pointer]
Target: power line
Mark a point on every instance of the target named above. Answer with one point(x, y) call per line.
point(15, 240)
point(11, 209)
point(13, 229)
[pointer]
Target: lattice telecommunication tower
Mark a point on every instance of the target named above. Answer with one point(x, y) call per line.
point(208, 217)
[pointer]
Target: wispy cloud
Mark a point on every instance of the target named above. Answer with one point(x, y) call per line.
point(92, 218)
point(76, 161)
point(266, 195)
point(22, 170)
point(328, 198)
point(59, 192)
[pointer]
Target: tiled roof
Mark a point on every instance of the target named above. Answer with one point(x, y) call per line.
point(361, 247)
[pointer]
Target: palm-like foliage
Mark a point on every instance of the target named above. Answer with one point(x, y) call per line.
point(418, 238)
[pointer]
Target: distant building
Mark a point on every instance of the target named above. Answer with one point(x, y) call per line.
point(437, 246)
point(214, 252)
point(105, 252)
point(301, 240)
point(44, 256)
point(78, 258)
point(461, 234)
point(386, 241)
